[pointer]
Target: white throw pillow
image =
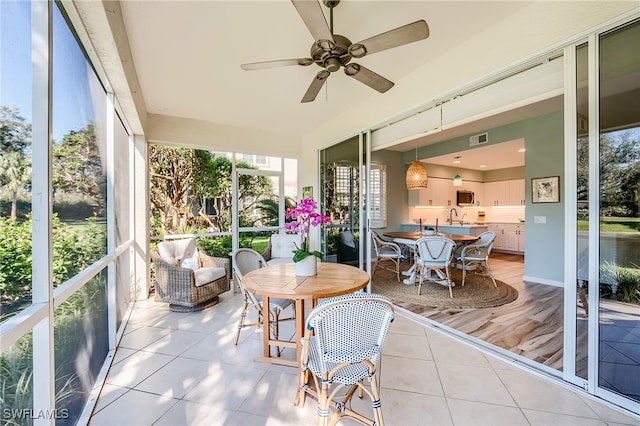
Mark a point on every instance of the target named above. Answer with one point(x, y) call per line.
point(190, 262)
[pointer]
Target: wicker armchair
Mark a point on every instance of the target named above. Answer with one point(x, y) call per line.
point(186, 289)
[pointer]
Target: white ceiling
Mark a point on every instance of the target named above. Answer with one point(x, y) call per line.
point(491, 157)
point(187, 55)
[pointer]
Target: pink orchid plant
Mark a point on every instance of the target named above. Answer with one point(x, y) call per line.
point(304, 216)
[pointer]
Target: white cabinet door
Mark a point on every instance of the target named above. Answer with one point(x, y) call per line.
point(511, 237)
point(496, 193)
point(521, 239)
point(442, 192)
point(439, 192)
point(516, 192)
point(497, 229)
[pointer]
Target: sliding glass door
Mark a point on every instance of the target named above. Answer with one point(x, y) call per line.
point(604, 309)
point(342, 198)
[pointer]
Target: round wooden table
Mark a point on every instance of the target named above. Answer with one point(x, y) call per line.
point(332, 279)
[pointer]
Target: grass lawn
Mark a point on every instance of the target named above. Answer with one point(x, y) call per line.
point(614, 224)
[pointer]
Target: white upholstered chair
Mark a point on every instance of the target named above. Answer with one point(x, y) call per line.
point(280, 248)
point(342, 345)
point(434, 255)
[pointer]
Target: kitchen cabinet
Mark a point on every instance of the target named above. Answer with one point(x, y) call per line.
point(516, 192)
point(498, 229)
point(504, 193)
point(439, 192)
point(496, 193)
point(509, 237)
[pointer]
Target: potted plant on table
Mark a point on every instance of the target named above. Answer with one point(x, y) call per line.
point(303, 217)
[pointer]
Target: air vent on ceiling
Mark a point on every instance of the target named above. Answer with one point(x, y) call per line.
point(479, 139)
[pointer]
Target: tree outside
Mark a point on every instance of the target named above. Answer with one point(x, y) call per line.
point(191, 191)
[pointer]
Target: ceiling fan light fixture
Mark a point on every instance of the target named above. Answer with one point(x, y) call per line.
point(332, 64)
point(417, 176)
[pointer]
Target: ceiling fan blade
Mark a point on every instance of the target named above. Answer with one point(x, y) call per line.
point(368, 77)
point(311, 13)
point(409, 33)
point(316, 85)
point(273, 64)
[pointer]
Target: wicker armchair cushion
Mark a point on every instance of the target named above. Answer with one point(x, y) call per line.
point(172, 251)
point(206, 275)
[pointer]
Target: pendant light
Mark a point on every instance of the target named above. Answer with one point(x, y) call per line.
point(416, 175)
point(457, 180)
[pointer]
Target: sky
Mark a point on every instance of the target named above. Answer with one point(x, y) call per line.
point(72, 103)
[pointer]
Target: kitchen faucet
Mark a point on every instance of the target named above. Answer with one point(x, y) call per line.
point(450, 219)
point(462, 219)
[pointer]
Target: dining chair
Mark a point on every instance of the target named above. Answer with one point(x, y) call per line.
point(434, 258)
point(245, 260)
point(476, 256)
point(342, 345)
point(386, 251)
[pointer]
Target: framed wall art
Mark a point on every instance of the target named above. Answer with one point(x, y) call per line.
point(545, 189)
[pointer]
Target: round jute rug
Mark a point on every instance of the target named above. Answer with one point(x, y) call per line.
point(476, 293)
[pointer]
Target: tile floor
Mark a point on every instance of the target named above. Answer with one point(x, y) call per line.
point(183, 369)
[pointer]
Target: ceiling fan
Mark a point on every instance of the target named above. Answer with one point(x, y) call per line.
point(331, 51)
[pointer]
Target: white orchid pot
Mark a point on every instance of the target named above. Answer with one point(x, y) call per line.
point(307, 267)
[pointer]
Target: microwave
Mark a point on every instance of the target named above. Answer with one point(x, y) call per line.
point(465, 198)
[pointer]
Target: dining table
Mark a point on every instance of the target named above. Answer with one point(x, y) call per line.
point(407, 237)
point(459, 239)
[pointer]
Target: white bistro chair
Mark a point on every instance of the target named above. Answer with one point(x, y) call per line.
point(245, 260)
point(434, 258)
point(341, 348)
point(475, 257)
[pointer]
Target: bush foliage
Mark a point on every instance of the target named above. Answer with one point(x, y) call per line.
point(74, 249)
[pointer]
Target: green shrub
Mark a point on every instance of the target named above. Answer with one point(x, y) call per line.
point(216, 246)
point(74, 249)
point(615, 211)
point(625, 281)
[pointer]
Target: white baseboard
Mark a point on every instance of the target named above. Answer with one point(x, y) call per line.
point(537, 280)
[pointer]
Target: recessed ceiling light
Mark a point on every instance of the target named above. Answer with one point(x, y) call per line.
point(483, 166)
point(456, 160)
point(522, 150)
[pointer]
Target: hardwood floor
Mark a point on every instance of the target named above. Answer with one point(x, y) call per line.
point(530, 326)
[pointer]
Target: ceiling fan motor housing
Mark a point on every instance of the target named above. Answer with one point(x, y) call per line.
point(331, 55)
